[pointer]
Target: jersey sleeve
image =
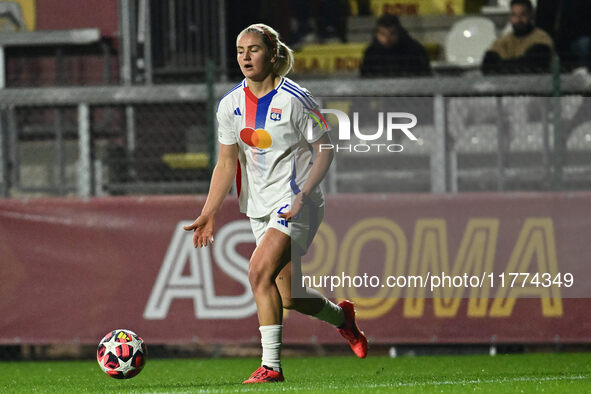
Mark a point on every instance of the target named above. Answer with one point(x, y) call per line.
point(308, 119)
point(226, 130)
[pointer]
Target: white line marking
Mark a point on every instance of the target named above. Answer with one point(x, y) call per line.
point(278, 386)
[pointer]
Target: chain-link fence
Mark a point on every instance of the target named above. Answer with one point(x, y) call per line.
point(123, 149)
point(97, 141)
point(475, 134)
point(512, 143)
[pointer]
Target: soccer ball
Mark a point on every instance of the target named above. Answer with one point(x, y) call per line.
point(121, 354)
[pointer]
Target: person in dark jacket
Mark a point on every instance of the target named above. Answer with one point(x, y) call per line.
point(526, 49)
point(393, 52)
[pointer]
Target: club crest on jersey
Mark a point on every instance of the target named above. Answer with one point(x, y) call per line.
point(275, 114)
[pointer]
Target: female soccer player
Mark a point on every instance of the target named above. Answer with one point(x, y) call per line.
point(263, 124)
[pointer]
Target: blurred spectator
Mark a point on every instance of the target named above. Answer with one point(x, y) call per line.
point(569, 24)
point(393, 52)
point(526, 49)
point(320, 21)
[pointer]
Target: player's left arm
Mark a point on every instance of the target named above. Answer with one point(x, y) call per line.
point(322, 160)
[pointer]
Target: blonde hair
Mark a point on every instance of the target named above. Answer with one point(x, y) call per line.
point(283, 54)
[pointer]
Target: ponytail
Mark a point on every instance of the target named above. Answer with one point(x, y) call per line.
point(283, 54)
point(284, 62)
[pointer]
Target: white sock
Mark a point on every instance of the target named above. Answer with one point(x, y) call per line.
point(271, 343)
point(331, 313)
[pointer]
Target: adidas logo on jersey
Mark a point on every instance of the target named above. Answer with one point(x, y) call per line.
point(237, 112)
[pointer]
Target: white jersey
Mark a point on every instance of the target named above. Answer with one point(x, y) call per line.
point(272, 134)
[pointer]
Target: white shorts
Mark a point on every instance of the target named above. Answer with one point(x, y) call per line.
point(301, 230)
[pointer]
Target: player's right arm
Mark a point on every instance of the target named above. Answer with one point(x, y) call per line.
point(223, 174)
point(221, 181)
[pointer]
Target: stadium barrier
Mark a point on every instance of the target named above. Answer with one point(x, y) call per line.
point(485, 134)
point(74, 269)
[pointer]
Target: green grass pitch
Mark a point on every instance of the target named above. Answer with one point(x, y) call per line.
point(547, 372)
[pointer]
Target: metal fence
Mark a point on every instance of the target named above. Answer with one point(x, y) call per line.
point(96, 141)
point(475, 134)
point(171, 40)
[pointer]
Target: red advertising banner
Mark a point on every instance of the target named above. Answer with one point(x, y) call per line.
point(73, 14)
point(72, 270)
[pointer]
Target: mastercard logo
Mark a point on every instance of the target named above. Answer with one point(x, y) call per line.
point(258, 138)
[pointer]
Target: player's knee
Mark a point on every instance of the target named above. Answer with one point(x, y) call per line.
point(254, 277)
point(259, 276)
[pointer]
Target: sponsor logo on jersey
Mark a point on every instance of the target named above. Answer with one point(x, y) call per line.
point(259, 138)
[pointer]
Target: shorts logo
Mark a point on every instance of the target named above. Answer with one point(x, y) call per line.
point(258, 138)
point(275, 114)
point(282, 221)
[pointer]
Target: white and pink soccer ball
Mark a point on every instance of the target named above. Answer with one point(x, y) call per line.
point(121, 354)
